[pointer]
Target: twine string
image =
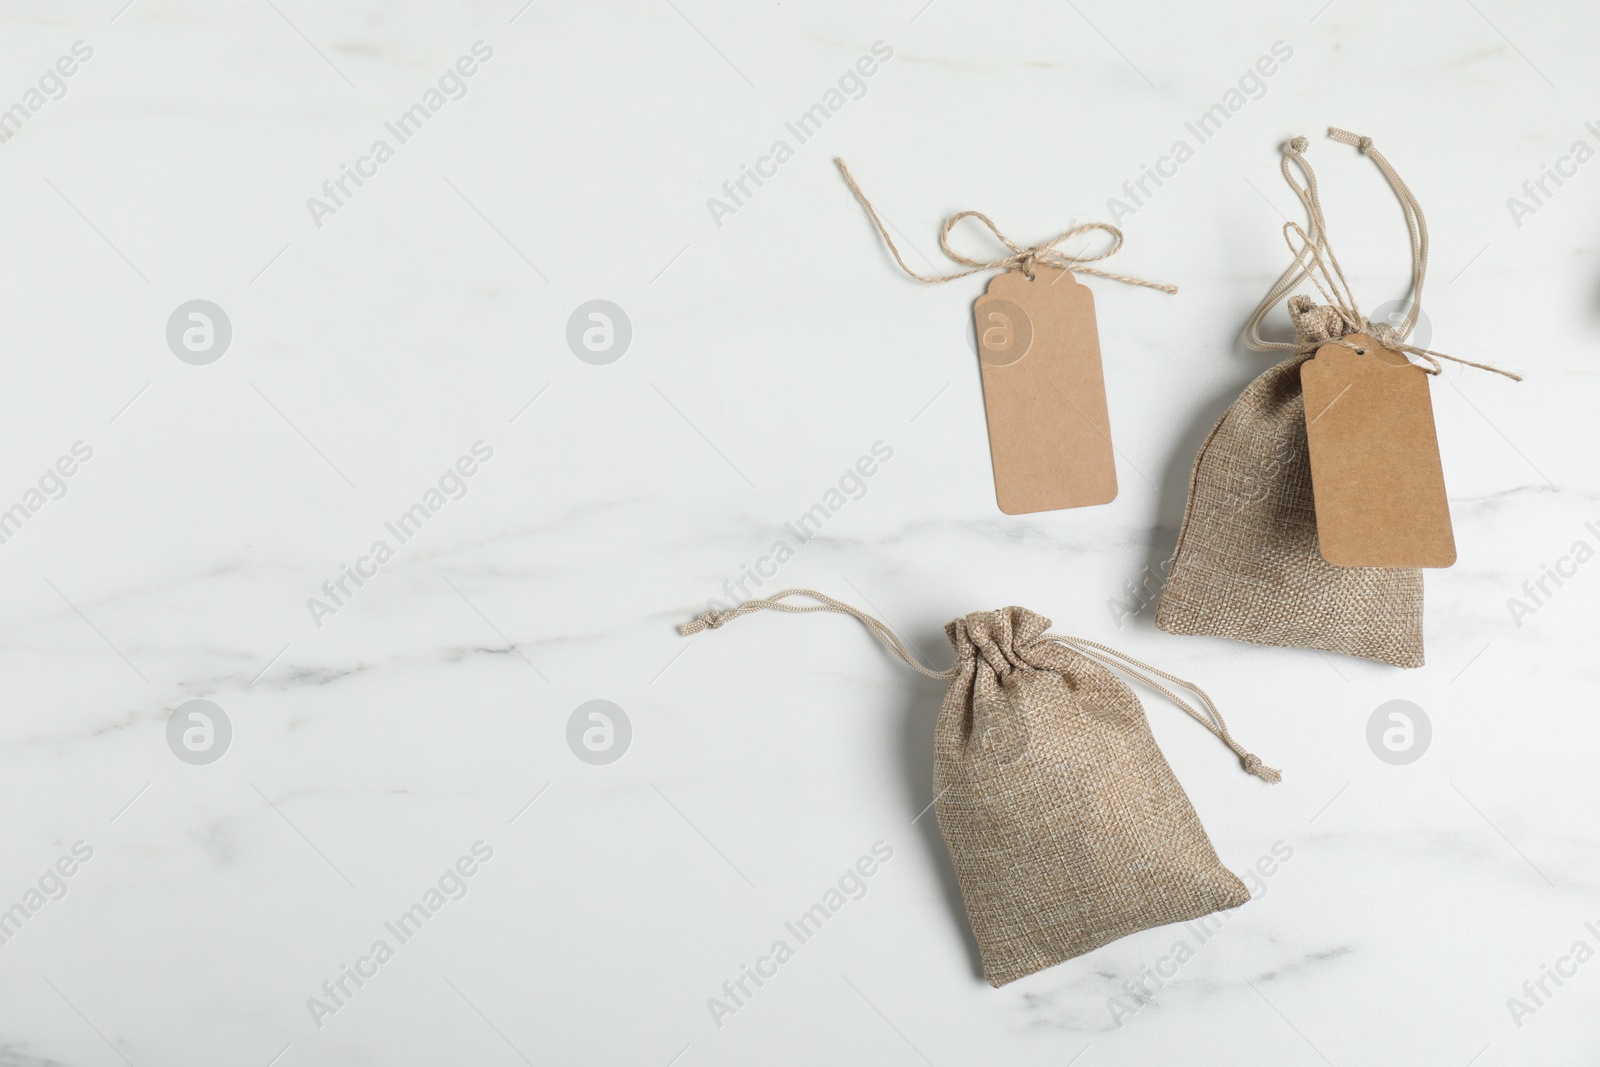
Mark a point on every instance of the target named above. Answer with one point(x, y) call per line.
point(711, 620)
point(1212, 720)
point(1025, 259)
point(1314, 260)
point(1104, 655)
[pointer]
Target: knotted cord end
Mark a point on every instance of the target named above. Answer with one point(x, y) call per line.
point(1298, 144)
point(1356, 139)
point(1253, 765)
point(708, 620)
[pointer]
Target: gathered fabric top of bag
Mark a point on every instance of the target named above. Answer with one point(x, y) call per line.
point(1106, 656)
point(1340, 317)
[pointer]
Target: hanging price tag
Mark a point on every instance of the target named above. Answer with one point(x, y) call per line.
point(1044, 393)
point(1375, 469)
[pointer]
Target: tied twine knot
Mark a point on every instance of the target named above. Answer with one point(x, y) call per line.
point(706, 620)
point(1341, 317)
point(1253, 765)
point(1023, 258)
point(1323, 324)
point(1027, 258)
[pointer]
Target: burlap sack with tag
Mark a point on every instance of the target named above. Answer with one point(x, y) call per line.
point(1065, 825)
point(1247, 565)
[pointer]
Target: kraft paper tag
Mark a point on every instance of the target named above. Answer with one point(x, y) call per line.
point(1044, 393)
point(1375, 469)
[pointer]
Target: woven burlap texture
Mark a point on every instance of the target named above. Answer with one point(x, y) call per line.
point(1066, 826)
point(1247, 565)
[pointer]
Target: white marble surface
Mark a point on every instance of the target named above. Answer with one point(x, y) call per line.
point(768, 354)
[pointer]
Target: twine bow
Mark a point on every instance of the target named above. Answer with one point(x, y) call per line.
point(1021, 258)
point(1314, 260)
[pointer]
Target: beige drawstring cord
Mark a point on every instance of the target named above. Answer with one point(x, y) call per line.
point(711, 620)
point(1104, 655)
point(1023, 259)
point(1314, 260)
point(1111, 659)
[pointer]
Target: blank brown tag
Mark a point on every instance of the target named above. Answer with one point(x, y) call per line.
point(1044, 393)
point(1375, 470)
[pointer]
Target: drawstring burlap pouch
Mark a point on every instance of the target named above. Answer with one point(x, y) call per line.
point(1065, 825)
point(1247, 564)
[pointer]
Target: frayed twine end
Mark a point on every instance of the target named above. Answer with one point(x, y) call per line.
point(1270, 775)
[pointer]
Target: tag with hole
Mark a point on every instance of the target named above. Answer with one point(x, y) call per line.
point(1375, 469)
point(1044, 392)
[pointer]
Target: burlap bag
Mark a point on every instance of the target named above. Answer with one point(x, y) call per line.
point(1066, 827)
point(1247, 565)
